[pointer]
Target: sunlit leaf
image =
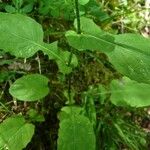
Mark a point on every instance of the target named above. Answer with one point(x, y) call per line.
point(127, 92)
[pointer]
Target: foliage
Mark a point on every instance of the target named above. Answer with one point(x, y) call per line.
point(15, 133)
point(73, 124)
point(65, 72)
point(130, 93)
point(131, 47)
point(30, 88)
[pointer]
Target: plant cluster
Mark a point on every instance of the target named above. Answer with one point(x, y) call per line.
point(71, 77)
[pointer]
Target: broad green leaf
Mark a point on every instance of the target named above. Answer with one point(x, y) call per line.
point(23, 37)
point(83, 2)
point(30, 87)
point(127, 92)
point(85, 41)
point(15, 133)
point(131, 56)
point(77, 131)
point(129, 53)
point(20, 35)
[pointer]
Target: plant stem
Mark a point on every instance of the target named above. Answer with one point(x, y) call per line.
point(71, 54)
point(77, 16)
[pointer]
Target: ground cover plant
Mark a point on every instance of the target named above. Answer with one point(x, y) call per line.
point(74, 75)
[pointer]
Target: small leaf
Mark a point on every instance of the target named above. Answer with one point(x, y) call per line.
point(28, 8)
point(83, 2)
point(130, 93)
point(35, 116)
point(6, 75)
point(30, 87)
point(10, 9)
point(15, 133)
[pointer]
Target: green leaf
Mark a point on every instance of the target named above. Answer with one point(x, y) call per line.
point(77, 132)
point(85, 41)
point(89, 27)
point(30, 87)
point(5, 76)
point(23, 37)
point(129, 53)
point(67, 110)
point(64, 57)
point(52, 50)
point(64, 67)
point(27, 8)
point(92, 37)
point(83, 2)
point(15, 133)
point(6, 62)
point(127, 92)
point(34, 115)
point(131, 56)
point(20, 35)
point(10, 9)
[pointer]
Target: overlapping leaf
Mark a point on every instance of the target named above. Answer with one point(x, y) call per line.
point(127, 92)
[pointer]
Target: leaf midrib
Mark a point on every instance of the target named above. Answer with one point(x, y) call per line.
point(39, 45)
point(116, 44)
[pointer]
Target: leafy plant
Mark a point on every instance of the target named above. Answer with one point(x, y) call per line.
point(85, 123)
point(73, 124)
point(16, 133)
point(17, 6)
